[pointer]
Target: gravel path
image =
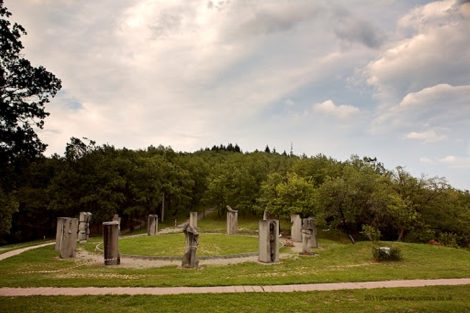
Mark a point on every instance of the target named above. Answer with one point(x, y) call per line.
point(82, 291)
point(11, 253)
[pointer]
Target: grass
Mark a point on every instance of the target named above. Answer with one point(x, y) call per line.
point(15, 246)
point(336, 262)
point(426, 299)
point(174, 245)
point(247, 225)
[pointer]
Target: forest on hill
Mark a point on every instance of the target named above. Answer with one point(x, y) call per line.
point(348, 196)
point(358, 196)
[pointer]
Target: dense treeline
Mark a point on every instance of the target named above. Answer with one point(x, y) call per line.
point(346, 196)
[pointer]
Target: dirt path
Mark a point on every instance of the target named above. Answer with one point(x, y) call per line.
point(65, 291)
point(11, 253)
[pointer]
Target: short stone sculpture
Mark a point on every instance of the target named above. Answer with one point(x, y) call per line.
point(111, 243)
point(84, 226)
point(268, 241)
point(67, 231)
point(117, 218)
point(192, 240)
point(232, 221)
point(193, 219)
point(152, 224)
point(309, 240)
point(296, 228)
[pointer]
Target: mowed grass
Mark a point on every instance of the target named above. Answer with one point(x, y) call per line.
point(15, 246)
point(426, 299)
point(174, 245)
point(335, 262)
point(219, 224)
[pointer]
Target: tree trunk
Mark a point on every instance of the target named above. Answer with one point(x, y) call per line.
point(400, 234)
point(162, 215)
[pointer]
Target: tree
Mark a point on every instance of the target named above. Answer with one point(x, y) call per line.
point(24, 90)
point(289, 194)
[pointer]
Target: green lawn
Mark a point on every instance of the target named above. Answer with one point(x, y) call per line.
point(335, 262)
point(426, 299)
point(14, 246)
point(174, 245)
point(219, 224)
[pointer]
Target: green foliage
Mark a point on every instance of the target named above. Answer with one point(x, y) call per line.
point(8, 206)
point(286, 195)
point(372, 233)
point(448, 239)
point(24, 90)
point(342, 196)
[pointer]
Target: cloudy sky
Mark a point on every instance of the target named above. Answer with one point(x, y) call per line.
point(380, 78)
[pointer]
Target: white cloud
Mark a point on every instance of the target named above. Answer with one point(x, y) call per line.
point(455, 161)
point(330, 108)
point(435, 53)
point(440, 106)
point(169, 72)
point(426, 160)
point(196, 73)
point(428, 136)
point(427, 15)
point(449, 161)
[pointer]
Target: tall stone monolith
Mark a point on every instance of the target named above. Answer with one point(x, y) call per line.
point(152, 224)
point(309, 239)
point(68, 240)
point(232, 221)
point(296, 228)
point(268, 241)
point(192, 241)
point(58, 233)
point(111, 243)
point(84, 226)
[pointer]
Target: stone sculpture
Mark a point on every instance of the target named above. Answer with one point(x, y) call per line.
point(192, 240)
point(58, 233)
point(193, 219)
point(84, 226)
point(296, 228)
point(111, 243)
point(152, 224)
point(309, 239)
point(117, 218)
point(67, 231)
point(268, 241)
point(232, 221)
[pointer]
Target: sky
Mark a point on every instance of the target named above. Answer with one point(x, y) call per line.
point(379, 78)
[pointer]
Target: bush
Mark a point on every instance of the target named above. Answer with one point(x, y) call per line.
point(420, 235)
point(386, 253)
point(448, 240)
point(372, 233)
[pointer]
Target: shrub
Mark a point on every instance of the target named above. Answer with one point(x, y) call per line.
point(448, 239)
point(386, 253)
point(371, 232)
point(420, 235)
